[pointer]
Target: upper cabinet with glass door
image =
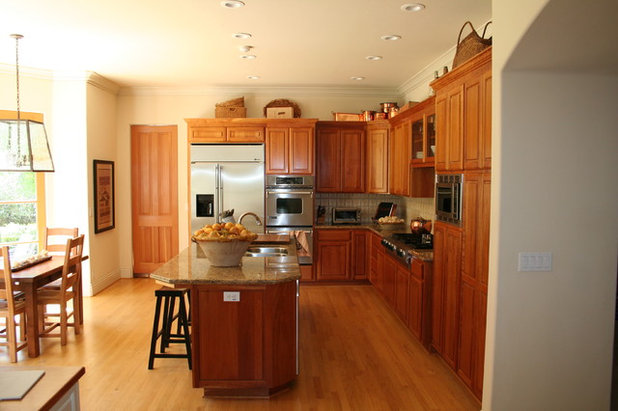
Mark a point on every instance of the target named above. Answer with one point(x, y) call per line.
point(423, 132)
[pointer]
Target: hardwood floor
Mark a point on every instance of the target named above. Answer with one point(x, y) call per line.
point(355, 354)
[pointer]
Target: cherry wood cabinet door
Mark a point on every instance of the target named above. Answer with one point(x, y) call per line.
point(455, 133)
point(154, 195)
point(402, 281)
point(301, 150)
point(473, 124)
point(441, 130)
point(400, 165)
point(486, 128)
point(389, 278)
point(415, 306)
point(359, 266)
point(328, 176)
point(375, 248)
point(377, 159)
point(277, 150)
point(245, 134)
point(446, 283)
point(352, 161)
point(333, 253)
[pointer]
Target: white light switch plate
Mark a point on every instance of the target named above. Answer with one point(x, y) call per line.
point(534, 262)
point(233, 296)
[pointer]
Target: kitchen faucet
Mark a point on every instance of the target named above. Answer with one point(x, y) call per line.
point(257, 218)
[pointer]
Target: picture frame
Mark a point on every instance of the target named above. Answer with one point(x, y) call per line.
point(104, 196)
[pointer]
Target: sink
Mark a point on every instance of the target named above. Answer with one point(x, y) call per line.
point(266, 251)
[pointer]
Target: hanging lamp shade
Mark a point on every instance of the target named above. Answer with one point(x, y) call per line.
point(24, 146)
point(23, 143)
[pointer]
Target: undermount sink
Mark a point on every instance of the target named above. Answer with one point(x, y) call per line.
point(261, 251)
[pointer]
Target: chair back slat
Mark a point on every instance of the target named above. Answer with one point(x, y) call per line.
point(55, 238)
point(6, 293)
point(71, 270)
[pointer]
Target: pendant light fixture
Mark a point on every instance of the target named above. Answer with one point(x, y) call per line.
point(23, 143)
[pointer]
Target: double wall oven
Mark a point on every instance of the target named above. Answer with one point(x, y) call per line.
point(289, 208)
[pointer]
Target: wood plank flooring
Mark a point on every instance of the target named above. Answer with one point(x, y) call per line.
point(355, 354)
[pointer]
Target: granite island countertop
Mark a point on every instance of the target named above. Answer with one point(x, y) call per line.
point(192, 267)
point(384, 230)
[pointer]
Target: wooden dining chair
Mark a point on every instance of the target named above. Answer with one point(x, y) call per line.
point(56, 238)
point(50, 294)
point(12, 304)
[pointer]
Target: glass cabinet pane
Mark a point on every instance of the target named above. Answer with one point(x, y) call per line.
point(417, 139)
point(431, 136)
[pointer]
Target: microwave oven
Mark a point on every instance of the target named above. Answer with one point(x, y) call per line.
point(448, 198)
point(346, 215)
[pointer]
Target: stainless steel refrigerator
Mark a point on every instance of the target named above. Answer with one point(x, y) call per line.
point(225, 177)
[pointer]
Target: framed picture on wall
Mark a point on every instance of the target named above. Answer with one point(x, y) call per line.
point(104, 217)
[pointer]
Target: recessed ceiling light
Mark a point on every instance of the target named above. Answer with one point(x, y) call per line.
point(248, 56)
point(412, 7)
point(253, 77)
point(245, 49)
point(374, 58)
point(232, 4)
point(357, 78)
point(390, 37)
point(242, 35)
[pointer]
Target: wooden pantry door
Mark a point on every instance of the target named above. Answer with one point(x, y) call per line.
point(154, 192)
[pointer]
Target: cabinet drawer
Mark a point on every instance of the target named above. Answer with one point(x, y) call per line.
point(334, 235)
point(245, 134)
point(207, 134)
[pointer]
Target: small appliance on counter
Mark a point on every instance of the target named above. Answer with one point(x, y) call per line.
point(346, 215)
point(385, 209)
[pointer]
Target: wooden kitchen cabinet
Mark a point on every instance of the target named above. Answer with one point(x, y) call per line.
point(244, 346)
point(447, 244)
point(377, 157)
point(399, 182)
point(341, 255)
point(376, 262)
point(359, 261)
point(201, 130)
point(463, 116)
point(473, 293)
point(332, 254)
point(423, 133)
point(340, 152)
point(402, 283)
point(419, 300)
point(289, 150)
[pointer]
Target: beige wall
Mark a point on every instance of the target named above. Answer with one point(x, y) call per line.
point(160, 107)
point(550, 334)
point(101, 125)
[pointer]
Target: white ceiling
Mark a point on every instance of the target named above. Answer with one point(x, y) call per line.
point(185, 43)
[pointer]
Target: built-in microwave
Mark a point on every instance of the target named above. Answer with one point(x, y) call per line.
point(448, 198)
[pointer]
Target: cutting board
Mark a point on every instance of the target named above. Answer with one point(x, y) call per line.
point(15, 384)
point(272, 239)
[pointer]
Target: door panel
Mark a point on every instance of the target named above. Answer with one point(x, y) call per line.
point(242, 189)
point(154, 189)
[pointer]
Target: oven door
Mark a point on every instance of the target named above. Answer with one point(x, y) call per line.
point(448, 202)
point(289, 207)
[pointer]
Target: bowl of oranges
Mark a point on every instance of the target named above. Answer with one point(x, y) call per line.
point(224, 244)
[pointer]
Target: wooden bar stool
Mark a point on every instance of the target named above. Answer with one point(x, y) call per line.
point(163, 329)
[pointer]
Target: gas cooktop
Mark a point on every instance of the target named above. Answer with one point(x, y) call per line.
point(414, 240)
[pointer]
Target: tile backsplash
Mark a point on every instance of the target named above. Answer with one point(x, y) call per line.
point(407, 208)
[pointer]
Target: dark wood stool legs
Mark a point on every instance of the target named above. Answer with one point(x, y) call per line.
point(182, 335)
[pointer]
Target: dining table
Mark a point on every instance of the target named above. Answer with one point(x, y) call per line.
point(28, 280)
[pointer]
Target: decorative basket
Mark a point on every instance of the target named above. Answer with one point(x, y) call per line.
point(471, 45)
point(283, 103)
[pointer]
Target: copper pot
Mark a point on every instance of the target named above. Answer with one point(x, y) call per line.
point(420, 225)
point(368, 115)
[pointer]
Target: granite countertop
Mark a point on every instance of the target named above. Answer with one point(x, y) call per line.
point(192, 267)
point(384, 230)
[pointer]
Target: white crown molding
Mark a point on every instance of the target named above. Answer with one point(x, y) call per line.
point(426, 75)
point(35, 73)
point(261, 90)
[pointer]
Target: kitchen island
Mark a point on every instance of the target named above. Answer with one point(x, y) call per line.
point(244, 330)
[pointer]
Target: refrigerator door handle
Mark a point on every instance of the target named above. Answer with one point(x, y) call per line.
point(217, 192)
point(220, 193)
